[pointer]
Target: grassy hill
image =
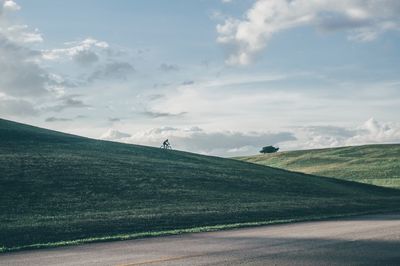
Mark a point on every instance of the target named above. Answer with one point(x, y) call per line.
point(371, 164)
point(59, 189)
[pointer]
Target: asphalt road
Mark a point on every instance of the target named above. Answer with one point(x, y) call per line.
point(364, 240)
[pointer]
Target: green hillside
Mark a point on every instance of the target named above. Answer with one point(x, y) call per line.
point(56, 187)
point(372, 164)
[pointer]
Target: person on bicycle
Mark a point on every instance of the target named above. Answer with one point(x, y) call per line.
point(166, 144)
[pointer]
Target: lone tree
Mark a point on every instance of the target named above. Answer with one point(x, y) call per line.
point(269, 149)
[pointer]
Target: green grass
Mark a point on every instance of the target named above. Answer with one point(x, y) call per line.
point(211, 228)
point(372, 164)
point(58, 189)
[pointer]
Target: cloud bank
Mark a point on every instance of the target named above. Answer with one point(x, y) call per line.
point(363, 20)
point(195, 139)
point(34, 81)
point(370, 132)
point(229, 143)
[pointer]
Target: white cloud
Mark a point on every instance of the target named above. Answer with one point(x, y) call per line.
point(28, 78)
point(19, 33)
point(11, 5)
point(370, 132)
point(103, 62)
point(373, 131)
point(364, 20)
point(20, 74)
point(83, 52)
point(22, 34)
point(113, 134)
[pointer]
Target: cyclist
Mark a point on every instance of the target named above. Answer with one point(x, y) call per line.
point(166, 144)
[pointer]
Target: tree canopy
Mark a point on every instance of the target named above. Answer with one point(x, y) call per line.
point(269, 149)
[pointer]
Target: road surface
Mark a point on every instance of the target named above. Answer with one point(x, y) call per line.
point(364, 240)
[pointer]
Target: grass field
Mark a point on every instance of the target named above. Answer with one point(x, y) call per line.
point(372, 164)
point(57, 188)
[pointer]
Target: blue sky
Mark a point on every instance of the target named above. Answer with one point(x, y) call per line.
point(215, 77)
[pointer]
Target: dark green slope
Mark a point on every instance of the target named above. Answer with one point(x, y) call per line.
point(371, 164)
point(59, 187)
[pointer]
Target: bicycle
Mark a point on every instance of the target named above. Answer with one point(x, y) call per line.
point(166, 147)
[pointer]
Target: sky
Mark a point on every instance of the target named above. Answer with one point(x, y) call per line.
point(217, 77)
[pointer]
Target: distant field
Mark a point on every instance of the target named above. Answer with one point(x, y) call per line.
point(372, 164)
point(56, 188)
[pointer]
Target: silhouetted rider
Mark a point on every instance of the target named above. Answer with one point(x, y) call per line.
point(166, 144)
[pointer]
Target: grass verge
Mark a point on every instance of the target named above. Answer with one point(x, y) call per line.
point(201, 229)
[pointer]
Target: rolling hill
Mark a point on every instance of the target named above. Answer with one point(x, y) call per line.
point(372, 164)
point(57, 189)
